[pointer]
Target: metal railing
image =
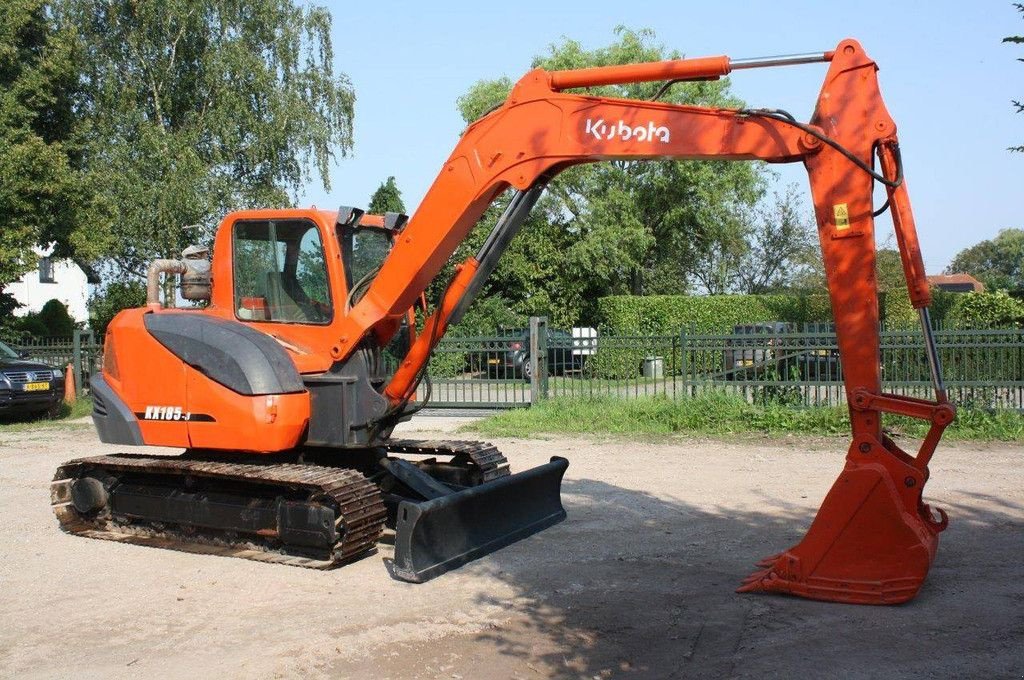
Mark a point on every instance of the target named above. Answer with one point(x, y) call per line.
point(984, 368)
point(791, 365)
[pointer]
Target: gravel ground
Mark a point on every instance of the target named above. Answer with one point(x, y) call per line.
point(638, 582)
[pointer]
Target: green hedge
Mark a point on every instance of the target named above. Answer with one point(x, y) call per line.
point(621, 315)
point(625, 315)
point(986, 310)
point(666, 314)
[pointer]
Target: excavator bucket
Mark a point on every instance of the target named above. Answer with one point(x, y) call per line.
point(443, 533)
point(872, 540)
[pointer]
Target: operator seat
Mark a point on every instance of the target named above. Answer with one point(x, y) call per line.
point(284, 305)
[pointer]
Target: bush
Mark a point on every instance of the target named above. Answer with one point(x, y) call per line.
point(986, 310)
point(118, 295)
point(54, 316)
point(30, 326)
point(52, 320)
point(667, 314)
point(447, 364)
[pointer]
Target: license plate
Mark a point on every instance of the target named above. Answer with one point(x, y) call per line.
point(745, 362)
point(493, 361)
point(37, 386)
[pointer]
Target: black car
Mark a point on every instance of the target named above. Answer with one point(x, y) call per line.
point(27, 387)
point(773, 351)
point(514, 360)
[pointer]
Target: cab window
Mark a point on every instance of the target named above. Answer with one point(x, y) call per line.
point(280, 272)
point(363, 250)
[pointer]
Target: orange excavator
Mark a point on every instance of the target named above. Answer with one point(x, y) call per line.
point(279, 392)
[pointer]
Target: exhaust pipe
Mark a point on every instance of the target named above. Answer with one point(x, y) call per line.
point(157, 268)
point(194, 271)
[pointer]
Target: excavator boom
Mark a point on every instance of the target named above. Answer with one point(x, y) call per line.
point(874, 538)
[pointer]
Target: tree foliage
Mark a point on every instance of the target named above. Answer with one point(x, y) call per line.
point(889, 270)
point(1017, 39)
point(387, 198)
point(774, 247)
point(104, 305)
point(40, 191)
point(998, 262)
point(810, 271)
point(624, 226)
point(199, 107)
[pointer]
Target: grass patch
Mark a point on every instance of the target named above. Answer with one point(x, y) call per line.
point(716, 413)
point(62, 418)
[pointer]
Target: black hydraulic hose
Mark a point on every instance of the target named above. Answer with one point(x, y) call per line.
point(360, 285)
point(885, 206)
point(666, 86)
point(398, 410)
point(787, 118)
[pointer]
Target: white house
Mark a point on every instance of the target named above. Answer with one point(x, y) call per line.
point(53, 279)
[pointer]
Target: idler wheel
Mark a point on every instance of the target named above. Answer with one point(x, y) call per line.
point(88, 495)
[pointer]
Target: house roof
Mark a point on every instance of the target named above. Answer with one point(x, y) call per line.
point(941, 280)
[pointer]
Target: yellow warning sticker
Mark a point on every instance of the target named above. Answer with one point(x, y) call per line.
point(842, 215)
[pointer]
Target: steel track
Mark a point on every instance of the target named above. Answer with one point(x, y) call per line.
point(359, 507)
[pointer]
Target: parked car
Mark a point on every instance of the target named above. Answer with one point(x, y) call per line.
point(27, 387)
point(769, 355)
point(514, 361)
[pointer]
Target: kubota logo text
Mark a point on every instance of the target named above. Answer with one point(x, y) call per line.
point(642, 133)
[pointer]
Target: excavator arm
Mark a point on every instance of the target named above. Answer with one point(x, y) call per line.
point(873, 539)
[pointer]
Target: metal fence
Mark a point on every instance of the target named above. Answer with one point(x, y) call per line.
point(800, 367)
point(769, 362)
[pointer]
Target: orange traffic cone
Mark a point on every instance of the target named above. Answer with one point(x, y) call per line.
point(70, 393)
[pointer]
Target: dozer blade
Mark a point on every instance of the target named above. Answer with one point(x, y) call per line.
point(871, 542)
point(435, 536)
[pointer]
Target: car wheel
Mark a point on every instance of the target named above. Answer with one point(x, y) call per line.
point(55, 410)
point(527, 369)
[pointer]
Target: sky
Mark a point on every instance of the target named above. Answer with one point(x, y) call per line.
point(945, 75)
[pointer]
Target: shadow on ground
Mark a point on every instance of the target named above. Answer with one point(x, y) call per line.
point(633, 585)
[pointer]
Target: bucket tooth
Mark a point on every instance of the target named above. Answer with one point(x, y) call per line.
point(872, 541)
